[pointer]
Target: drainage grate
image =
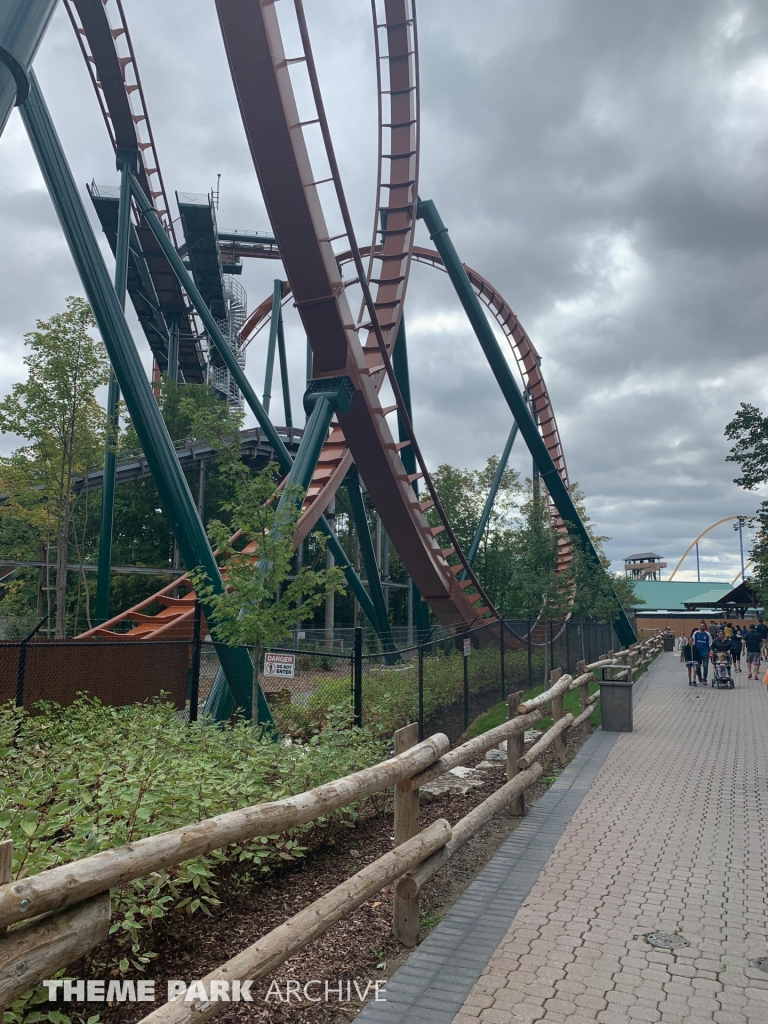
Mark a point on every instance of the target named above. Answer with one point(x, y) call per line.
point(761, 963)
point(667, 940)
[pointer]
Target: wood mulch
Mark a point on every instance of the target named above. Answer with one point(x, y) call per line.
point(360, 948)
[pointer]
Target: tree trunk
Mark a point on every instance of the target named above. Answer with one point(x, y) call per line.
point(255, 686)
point(62, 557)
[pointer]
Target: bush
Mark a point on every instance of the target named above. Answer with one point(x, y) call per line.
point(86, 778)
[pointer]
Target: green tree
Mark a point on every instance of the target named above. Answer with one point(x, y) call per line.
point(56, 411)
point(266, 595)
point(749, 431)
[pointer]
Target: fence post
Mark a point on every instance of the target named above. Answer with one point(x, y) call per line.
point(515, 750)
point(405, 912)
point(581, 669)
point(421, 690)
point(568, 645)
point(466, 684)
point(6, 869)
point(561, 744)
point(194, 683)
point(357, 679)
point(503, 673)
point(23, 662)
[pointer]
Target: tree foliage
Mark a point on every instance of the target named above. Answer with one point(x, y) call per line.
point(749, 431)
point(56, 412)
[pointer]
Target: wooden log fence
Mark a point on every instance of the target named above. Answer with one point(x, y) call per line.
point(57, 915)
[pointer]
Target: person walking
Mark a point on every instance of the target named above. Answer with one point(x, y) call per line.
point(702, 640)
point(736, 645)
point(753, 642)
point(762, 629)
point(691, 663)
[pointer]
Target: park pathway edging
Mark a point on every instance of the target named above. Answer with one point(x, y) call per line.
point(433, 983)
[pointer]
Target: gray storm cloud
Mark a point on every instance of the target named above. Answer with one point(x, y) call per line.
point(603, 164)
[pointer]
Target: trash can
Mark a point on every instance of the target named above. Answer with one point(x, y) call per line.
point(669, 642)
point(616, 705)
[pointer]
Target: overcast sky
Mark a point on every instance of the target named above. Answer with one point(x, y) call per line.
point(603, 164)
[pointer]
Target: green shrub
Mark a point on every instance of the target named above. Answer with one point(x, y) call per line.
point(86, 778)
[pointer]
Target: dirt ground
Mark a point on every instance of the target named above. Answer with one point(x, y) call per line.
point(360, 948)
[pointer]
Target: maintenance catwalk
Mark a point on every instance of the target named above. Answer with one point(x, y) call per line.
point(653, 836)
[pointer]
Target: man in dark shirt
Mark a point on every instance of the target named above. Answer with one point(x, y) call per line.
point(762, 629)
point(753, 642)
point(702, 641)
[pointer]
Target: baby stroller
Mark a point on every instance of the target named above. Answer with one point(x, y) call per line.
point(722, 678)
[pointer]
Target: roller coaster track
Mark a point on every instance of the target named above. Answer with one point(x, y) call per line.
point(261, 73)
point(105, 42)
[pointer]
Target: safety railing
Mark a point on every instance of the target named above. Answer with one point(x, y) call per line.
point(56, 916)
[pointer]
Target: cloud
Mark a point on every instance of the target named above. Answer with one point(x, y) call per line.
point(602, 164)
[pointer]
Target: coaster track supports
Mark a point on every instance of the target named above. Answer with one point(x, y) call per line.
point(22, 27)
point(476, 540)
point(558, 491)
point(277, 294)
point(368, 555)
point(281, 452)
point(172, 486)
point(402, 373)
point(126, 162)
point(284, 368)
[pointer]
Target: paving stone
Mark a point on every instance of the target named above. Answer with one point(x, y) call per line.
point(662, 829)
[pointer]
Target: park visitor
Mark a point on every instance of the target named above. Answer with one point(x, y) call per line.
point(762, 629)
point(736, 645)
point(753, 642)
point(691, 663)
point(702, 640)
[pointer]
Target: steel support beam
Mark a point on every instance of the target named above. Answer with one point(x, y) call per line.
point(284, 369)
point(492, 495)
point(558, 491)
point(106, 528)
point(274, 323)
point(173, 351)
point(368, 555)
point(209, 323)
point(22, 27)
point(407, 454)
point(174, 493)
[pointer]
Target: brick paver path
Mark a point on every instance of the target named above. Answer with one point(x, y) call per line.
point(671, 837)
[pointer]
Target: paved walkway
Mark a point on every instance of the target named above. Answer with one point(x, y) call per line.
point(665, 831)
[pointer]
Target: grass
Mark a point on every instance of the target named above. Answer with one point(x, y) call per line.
point(498, 714)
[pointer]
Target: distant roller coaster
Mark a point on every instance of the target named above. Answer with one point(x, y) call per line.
point(195, 320)
point(695, 544)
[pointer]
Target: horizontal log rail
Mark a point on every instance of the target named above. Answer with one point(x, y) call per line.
point(562, 686)
point(282, 942)
point(546, 740)
point(409, 885)
point(479, 745)
point(47, 936)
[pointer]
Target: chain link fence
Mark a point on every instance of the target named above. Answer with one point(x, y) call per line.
point(443, 682)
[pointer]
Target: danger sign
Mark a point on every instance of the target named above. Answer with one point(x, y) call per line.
point(280, 665)
point(467, 647)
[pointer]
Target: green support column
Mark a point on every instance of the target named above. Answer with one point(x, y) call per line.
point(402, 375)
point(274, 324)
point(126, 161)
point(497, 361)
point(360, 520)
point(175, 495)
point(491, 496)
point(284, 369)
